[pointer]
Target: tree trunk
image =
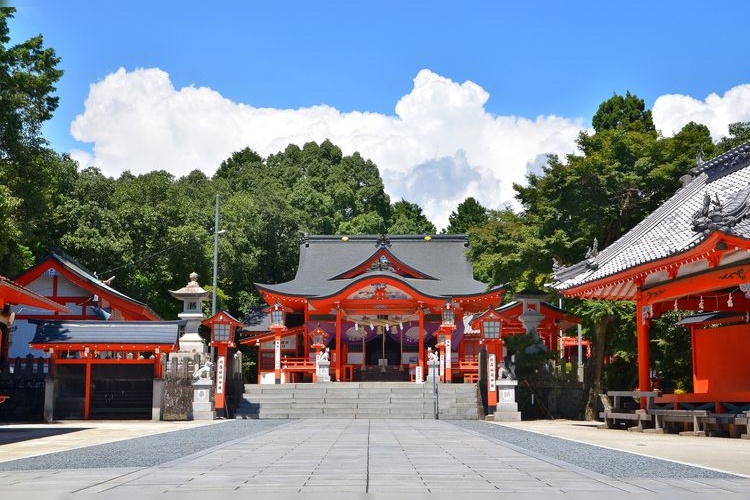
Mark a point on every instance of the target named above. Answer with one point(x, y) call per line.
point(593, 378)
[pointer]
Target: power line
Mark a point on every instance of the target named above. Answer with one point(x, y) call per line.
point(144, 258)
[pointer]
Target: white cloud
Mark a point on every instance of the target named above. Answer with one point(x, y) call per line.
point(441, 146)
point(671, 112)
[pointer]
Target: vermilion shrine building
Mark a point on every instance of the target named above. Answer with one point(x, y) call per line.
point(408, 292)
point(380, 303)
point(104, 347)
point(691, 254)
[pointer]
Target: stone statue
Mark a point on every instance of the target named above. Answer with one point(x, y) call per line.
point(503, 373)
point(324, 355)
point(432, 356)
point(204, 371)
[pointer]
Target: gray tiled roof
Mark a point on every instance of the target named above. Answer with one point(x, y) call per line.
point(442, 259)
point(669, 230)
point(79, 270)
point(103, 332)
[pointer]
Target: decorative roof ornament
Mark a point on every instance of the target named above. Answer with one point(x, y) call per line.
point(556, 266)
point(383, 242)
point(699, 157)
point(714, 216)
point(591, 253)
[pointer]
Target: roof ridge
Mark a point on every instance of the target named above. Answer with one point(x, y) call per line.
point(725, 163)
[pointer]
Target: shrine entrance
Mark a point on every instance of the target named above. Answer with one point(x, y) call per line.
point(383, 351)
point(383, 361)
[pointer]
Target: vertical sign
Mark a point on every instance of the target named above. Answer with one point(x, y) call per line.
point(441, 365)
point(491, 376)
point(277, 354)
point(220, 364)
point(448, 354)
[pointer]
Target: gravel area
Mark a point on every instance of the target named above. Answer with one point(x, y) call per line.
point(612, 463)
point(145, 451)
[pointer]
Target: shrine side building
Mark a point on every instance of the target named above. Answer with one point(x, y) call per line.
point(692, 254)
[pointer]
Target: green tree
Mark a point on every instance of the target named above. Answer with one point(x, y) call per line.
point(28, 74)
point(407, 218)
point(623, 171)
point(469, 213)
point(626, 113)
point(739, 133)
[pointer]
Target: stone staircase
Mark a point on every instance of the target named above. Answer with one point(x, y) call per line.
point(360, 400)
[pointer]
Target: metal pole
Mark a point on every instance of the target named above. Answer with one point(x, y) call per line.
point(216, 257)
point(216, 265)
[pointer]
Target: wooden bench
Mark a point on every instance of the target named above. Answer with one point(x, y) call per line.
point(623, 407)
point(666, 415)
point(721, 413)
point(740, 421)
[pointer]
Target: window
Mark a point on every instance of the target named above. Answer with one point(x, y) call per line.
point(221, 332)
point(491, 329)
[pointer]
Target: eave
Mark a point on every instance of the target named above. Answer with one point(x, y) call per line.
point(710, 253)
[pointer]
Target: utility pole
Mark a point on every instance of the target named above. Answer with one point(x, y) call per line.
point(216, 257)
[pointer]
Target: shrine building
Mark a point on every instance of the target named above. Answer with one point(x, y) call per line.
point(691, 254)
point(102, 348)
point(378, 304)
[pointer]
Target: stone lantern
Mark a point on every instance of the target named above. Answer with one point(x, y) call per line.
point(192, 296)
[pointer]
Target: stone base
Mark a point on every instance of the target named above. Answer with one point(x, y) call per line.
point(507, 416)
point(507, 407)
point(203, 407)
point(324, 371)
point(433, 373)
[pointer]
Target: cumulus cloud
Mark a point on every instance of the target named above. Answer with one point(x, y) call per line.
point(440, 147)
point(671, 112)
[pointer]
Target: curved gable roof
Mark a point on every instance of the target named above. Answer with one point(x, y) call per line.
point(441, 259)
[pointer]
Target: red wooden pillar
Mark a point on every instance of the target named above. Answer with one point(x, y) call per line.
point(493, 361)
point(158, 369)
point(306, 335)
point(421, 342)
point(221, 376)
point(87, 390)
point(338, 344)
point(277, 356)
point(643, 321)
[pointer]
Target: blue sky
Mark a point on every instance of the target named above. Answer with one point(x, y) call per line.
point(464, 97)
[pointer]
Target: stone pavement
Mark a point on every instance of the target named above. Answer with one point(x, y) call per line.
point(345, 457)
point(725, 454)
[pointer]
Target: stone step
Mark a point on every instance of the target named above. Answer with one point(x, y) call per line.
point(359, 400)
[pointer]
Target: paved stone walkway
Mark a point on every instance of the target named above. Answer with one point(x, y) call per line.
point(355, 456)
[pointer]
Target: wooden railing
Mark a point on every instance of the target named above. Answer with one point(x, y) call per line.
point(468, 367)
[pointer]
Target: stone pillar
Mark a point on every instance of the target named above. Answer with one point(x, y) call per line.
point(157, 401)
point(49, 399)
point(507, 408)
point(203, 408)
point(324, 371)
point(323, 366)
point(433, 371)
